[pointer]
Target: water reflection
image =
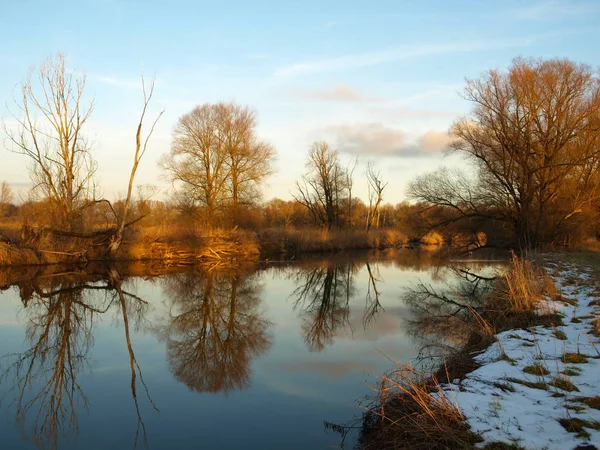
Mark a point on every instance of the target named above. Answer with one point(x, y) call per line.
point(61, 314)
point(445, 315)
point(215, 328)
point(322, 298)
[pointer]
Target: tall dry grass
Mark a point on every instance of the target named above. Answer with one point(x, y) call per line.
point(525, 285)
point(280, 240)
point(414, 412)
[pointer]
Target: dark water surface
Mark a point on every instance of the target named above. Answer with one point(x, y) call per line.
point(247, 357)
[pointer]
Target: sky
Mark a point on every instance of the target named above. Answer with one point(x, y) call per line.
point(378, 80)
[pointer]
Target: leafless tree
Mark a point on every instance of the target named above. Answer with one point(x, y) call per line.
point(6, 197)
point(51, 116)
point(324, 186)
point(533, 139)
point(376, 188)
point(350, 183)
point(197, 159)
point(249, 159)
point(218, 158)
point(140, 150)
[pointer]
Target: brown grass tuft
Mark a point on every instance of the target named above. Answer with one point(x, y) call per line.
point(11, 255)
point(415, 412)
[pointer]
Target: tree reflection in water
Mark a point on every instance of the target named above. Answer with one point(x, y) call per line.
point(446, 316)
point(215, 328)
point(61, 313)
point(322, 296)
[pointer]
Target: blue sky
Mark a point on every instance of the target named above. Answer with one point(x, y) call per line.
point(378, 80)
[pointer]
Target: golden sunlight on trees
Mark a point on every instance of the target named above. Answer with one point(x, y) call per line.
point(6, 198)
point(376, 188)
point(218, 159)
point(324, 187)
point(51, 115)
point(140, 150)
point(533, 140)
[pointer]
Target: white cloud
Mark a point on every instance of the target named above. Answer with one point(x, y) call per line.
point(379, 140)
point(394, 54)
point(434, 141)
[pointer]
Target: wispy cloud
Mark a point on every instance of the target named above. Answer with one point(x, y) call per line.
point(395, 54)
point(336, 94)
point(379, 140)
point(392, 113)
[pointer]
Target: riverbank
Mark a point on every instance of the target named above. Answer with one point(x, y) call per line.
point(520, 381)
point(187, 245)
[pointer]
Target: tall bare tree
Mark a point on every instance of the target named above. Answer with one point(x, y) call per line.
point(533, 137)
point(141, 145)
point(376, 187)
point(324, 186)
point(217, 156)
point(51, 115)
point(249, 159)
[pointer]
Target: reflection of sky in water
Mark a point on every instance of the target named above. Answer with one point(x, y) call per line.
point(291, 390)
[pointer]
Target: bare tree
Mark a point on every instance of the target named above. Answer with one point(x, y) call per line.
point(324, 186)
point(533, 139)
point(376, 188)
point(6, 197)
point(218, 158)
point(140, 150)
point(51, 117)
point(249, 159)
point(197, 159)
point(349, 183)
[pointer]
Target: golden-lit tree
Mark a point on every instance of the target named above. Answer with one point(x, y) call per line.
point(6, 198)
point(218, 159)
point(141, 144)
point(533, 139)
point(324, 186)
point(376, 187)
point(51, 116)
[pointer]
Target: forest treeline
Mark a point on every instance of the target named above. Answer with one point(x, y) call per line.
point(530, 178)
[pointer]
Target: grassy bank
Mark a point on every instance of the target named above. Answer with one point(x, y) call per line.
point(182, 245)
point(521, 351)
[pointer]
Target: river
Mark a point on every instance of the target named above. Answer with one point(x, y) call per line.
point(186, 357)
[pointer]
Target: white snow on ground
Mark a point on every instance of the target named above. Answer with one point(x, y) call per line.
point(528, 416)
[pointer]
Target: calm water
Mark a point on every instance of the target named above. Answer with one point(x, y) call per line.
point(132, 356)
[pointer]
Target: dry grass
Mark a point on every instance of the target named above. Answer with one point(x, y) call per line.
point(525, 285)
point(574, 358)
point(292, 241)
point(167, 244)
point(415, 413)
point(538, 369)
point(596, 328)
point(11, 255)
point(413, 410)
point(578, 426)
point(188, 244)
